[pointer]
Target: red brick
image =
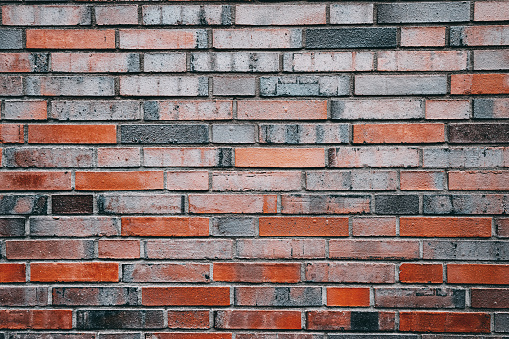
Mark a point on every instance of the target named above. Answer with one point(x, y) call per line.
point(279, 157)
point(479, 180)
point(35, 181)
point(25, 110)
point(480, 84)
point(348, 296)
point(373, 249)
point(119, 181)
point(447, 109)
point(11, 134)
point(257, 272)
point(165, 226)
point(353, 272)
point(281, 248)
point(232, 203)
point(490, 297)
point(175, 272)
point(257, 181)
point(189, 335)
point(49, 249)
point(160, 38)
point(422, 36)
point(478, 274)
point(12, 273)
point(398, 133)
point(444, 322)
point(303, 227)
point(271, 320)
point(93, 62)
point(186, 296)
point(491, 10)
point(187, 180)
point(15, 62)
point(74, 272)
point(118, 157)
point(502, 225)
point(282, 109)
point(36, 319)
point(420, 273)
point(70, 38)
point(445, 227)
point(422, 180)
point(72, 134)
point(264, 15)
point(188, 319)
point(373, 226)
point(119, 249)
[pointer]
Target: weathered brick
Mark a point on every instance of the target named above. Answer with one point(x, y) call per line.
point(188, 110)
point(262, 15)
point(422, 36)
point(444, 322)
point(11, 38)
point(256, 181)
point(139, 203)
point(257, 38)
point(280, 249)
point(400, 84)
point(189, 249)
point(11, 134)
point(164, 134)
point(158, 85)
point(398, 133)
point(502, 322)
point(49, 249)
point(73, 226)
point(242, 319)
point(23, 296)
point(282, 109)
point(234, 86)
point(232, 227)
point(280, 335)
point(25, 110)
point(352, 321)
point(116, 15)
point(479, 35)
point(351, 180)
point(447, 109)
point(70, 85)
point(11, 85)
point(465, 157)
point(365, 37)
point(186, 296)
point(397, 61)
point(187, 180)
point(174, 272)
point(24, 204)
point(235, 62)
point(95, 110)
point(373, 249)
point(303, 226)
point(54, 15)
point(118, 157)
point(70, 38)
point(478, 133)
point(351, 14)
point(324, 204)
point(420, 273)
point(164, 62)
point(257, 272)
point(466, 204)
point(232, 203)
point(373, 226)
point(328, 61)
point(397, 204)
point(162, 38)
point(466, 250)
point(74, 272)
point(491, 60)
point(12, 227)
point(188, 320)
point(479, 83)
point(49, 157)
point(188, 157)
point(23, 62)
point(119, 181)
point(445, 227)
point(478, 180)
point(233, 134)
point(95, 62)
point(119, 319)
point(345, 296)
point(496, 108)
point(45, 335)
point(191, 335)
point(304, 85)
point(304, 133)
point(10, 273)
point(278, 296)
point(423, 12)
point(35, 181)
point(165, 226)
point(187, 15)
point(491, 10)
point(118, 249)
point(422, 180)
point(279, 157)
point(489, 297)
point(95, 296)
point(380, 109)
point(477, 274)
point(36, 319)
point(353, 272)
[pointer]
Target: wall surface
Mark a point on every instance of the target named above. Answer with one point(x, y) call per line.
point(254, 170)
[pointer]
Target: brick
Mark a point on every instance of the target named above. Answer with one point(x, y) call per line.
point(351, 14)
point(478, 180)
point(234, 86)
point(502, 322)
point(12, 227)
point(139, 203)
point(35, 181)
point(187, 15)
point(188, 110)
point(120, 319)
point(491, 11)
point(479, 35)
point(466, 204)
point(382, 336)
point(39, 335)
point(54, 15)
point(496, 108)
point(257, 272)
point(257, 38)
point(70, 39)
point(324, 204)
point(188, 157)
point(163, 86)
point(84, 110)
point(164, 134)
point(420, 273)
point(281, 109)
point(264, 15)
point(74, 272)
point(422, 36)
point(241, 319)
point(191, 335)
point(328, 61)
point(36, 319)
point(165, 226)
point(24, 204)
point(502, 225)
point(162, 38)
point(23, 62)
point(303, 226)
point(464, 157)
point(73, 226)
point(444, 322)
point(235, 61)
point(11, 85)
point(422, 61)
point(23, 296)
point(419, 297)
point(116, 15)
point(447, 109)
point(115, 181)
point(174, 272)
point(478, 133)
point(25, 110)
point(400, 84)
point(164, 62)
point(275, 335)
point(256, 181)
point(491, 60)
point(187, 180)
point(11, 134)
point(118, 249)
point(445, 227)
point(49, 249)
point(70, 85)
point(279, 157)
point(232, 203)
point(380, 109)
point(350, 321)
point(422, 180)
point(304, 85)
point(11, 38)
point(373, 226)
point(489, 298)
point(479, 83)
point(365, 37)
point(95, 62)
point(465, 250)
point(231, 226)
point(348, 297)
point(49, 157)
point(233, 134)
point(189, 249)
point(397, 204)
point(423, 12)
point(398, 133)
point(11, 273)
point(304, 133)
point(186, 296)
point(118, 157)
point(278, 296)
point(280, 249)
point(188, 320)
point(477, 274)
point(351, 180)
point(72, 134)
point(373, 249)
point(353, 272)
point(95, 296)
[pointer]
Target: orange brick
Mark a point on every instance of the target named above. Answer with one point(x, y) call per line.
point(282, 109)
point(35, 181)
point(165, 226)
point(480, 84)
point(444, 322)
point(398, 133)
point(74, 272)
point(349, 297)
point(275, 320)
point(478, 274)
point(479, 180)
point(257, 272)
point(186, 296)
point(119, 181)
point(72, 134)
point(422, 180)
point(444, 227)
point(280, 157)
point(188, 319)
point(11, 134)
point(12, 273)
point(70, 38)
point(303, 227)
point(420, 273)
point(232, 203)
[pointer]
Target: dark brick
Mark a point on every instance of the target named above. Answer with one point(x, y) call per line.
point(23, 204)
point(12, 227)
point(419, 297)
point(423, 12)
point(151, 110)
point(11, 38)
point(397, 204)
point(95, 296)
point(23, 296)
point(490, 298)
point(52, 336)
point(369, 37)
point(119, 319)
point(466, 250)
point(233, 227)
point(72, 204)
point(39, 62)
point(364, 321)
point(502, 322)
point(479, 133)
point(278, 296)
point(164, 134)
point(466, 204)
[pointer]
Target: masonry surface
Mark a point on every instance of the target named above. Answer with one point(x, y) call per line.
point(254, 169)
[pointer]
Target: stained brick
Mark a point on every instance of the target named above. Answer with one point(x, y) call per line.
point(187, 15)
point(278, 296)
point(162, 38)
point(262, 15)
point(23, 204)
point(304, 133)
point(188, 110)
point(257, 38)
point(325, 204)
point(85, 110)
point(54, 15)
point(174, 272)
point(189, 249)
point(119, 319)
point(23, 296)
point(95, 296)
point(305, 85)
point(353, 272)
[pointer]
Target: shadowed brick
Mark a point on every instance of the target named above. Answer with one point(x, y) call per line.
point(164, 134)
point(351, 37)
point(119, 319)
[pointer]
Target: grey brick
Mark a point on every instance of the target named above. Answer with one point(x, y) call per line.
point(349, 14)
point(502, 322)
point(305, 86)
point(355, 180)
point(233, 227)
point(11, 85)
point(11, 38)
point(379, 109)
point(278, 296)
point(233, 134)
point(187, 15)
point(188, 110)
point(70, 85)
point(73, 226)
point(466, 250)
point(164, 134)
point(400, 84)
point(95, 110)
point(466, 157)
point(119, 319)
point(49, 157)
point(188, 157)
point(235, 62)
point(164, 86)
point(424, 12)
point(164, 62)
point(95, 296)
point(23, 204)
point(419, 297)
point(397, 204)
point(304, 133)
point(466, 204)
point(494, 108)
point(230, 86)
point(45, 335)
point(368, 37)
point(139, 203)
point(491, 60)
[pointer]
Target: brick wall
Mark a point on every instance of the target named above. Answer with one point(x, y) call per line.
point(254, 170)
